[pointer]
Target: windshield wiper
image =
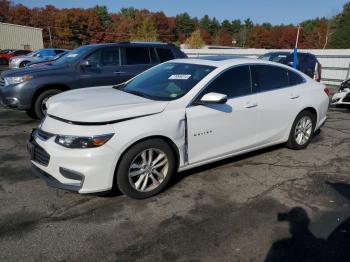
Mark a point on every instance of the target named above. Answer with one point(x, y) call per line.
point(119, 86)
point(138, 93)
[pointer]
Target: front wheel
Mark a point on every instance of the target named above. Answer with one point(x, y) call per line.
point(302, 130)
point(38, 110)
point(146, 169)
point(24, 64)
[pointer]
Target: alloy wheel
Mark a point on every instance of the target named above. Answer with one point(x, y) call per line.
point(148, 170)
point(303, 130)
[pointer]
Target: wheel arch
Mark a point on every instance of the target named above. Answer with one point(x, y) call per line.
point(166, 139)
point(43, 88)
point(312, 110)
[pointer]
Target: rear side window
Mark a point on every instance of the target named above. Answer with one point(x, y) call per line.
point(165, 54)
point(266, 77)
point(137, 55)
point(294, 78)
point(234, 82)
point(58, 51)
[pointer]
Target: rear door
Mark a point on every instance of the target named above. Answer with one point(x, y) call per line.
point(279, 98)
point(105, 65)
point(216, 130)
point(135, 60)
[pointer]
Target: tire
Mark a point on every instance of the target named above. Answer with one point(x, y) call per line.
point(31, 114)
point(23, 64)
point(304, 129)
point(133, 162)
point(38, 109)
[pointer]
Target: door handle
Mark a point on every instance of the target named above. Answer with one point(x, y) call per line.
point(294, 96)
point(251, 105)
point(119, 72)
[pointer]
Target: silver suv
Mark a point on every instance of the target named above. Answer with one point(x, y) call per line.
point(40, 55)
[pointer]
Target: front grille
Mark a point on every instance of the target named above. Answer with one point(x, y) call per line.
point(41, 156)
point(2, 81)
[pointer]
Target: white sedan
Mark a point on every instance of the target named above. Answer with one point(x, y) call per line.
point(175, 116)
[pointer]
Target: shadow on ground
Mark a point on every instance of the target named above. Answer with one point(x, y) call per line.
point(304, 246)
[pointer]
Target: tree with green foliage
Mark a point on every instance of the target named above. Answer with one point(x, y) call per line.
point(184, 24)
point(341, 36)
point(128, 12)
point(102, 13)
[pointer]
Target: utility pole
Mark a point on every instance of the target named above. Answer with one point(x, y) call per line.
point(50, 36)
point(295, 58)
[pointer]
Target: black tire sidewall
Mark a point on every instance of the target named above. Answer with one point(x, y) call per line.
point(23, 64)
point(291, 141)
point(122, 179)
point(37, 103)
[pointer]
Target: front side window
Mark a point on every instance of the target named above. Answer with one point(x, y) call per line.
point(104, 57)
point(47, 52)
point(268, 77)
point(136, 55)
point(168, 81)
point(234, 82)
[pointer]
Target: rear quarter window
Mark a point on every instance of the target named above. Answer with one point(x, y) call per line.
point(295, 79)
point(165, 54)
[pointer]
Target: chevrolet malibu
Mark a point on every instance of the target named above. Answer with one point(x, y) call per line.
point(176, 116)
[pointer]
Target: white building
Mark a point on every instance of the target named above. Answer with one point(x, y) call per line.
point(20, 37)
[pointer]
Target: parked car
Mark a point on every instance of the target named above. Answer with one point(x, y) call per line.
point(47, 62)
point(91, 65)
point(36, 56)
point(306, 62)
point(178, 115)
point(7, 54)
point(342, 97)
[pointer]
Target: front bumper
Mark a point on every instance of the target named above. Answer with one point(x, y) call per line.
point(16, 96)
point(80, 170)
point(341, 98)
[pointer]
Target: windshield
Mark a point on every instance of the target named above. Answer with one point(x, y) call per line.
point(72, 56)
point(167, 81)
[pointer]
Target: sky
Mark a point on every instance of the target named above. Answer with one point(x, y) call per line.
point(259, 11)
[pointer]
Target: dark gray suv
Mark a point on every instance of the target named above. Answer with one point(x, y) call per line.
point(91, 65)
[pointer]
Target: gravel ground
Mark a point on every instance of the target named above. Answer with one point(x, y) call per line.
point(225, 211)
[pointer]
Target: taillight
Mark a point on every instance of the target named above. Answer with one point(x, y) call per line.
point(326, 90)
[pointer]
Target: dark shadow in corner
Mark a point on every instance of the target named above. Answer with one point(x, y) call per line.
point(304, 246)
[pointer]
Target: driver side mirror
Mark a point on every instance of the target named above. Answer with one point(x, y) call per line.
point(213, 98)
point(85, 63)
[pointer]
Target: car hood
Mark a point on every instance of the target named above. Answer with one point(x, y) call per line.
point(30, 70)
point(99, 105)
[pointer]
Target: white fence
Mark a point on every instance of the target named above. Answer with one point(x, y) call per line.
point(335, 62)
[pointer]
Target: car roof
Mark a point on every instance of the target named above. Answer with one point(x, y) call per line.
point(131, 43)
point(220, 57)
point(225, 63)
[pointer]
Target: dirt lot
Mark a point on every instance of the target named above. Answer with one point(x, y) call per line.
point(221, 212)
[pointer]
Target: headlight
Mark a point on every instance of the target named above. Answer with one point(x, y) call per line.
point(17, 79)
point(82, 142)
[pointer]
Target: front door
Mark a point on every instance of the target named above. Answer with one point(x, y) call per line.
point(216, 130)
point(103, 69)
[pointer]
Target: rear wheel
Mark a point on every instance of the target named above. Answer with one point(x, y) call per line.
point(38, 110)
point(302, 130)
point(146, 169)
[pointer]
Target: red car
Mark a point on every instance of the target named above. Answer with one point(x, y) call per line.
point(6, 54)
